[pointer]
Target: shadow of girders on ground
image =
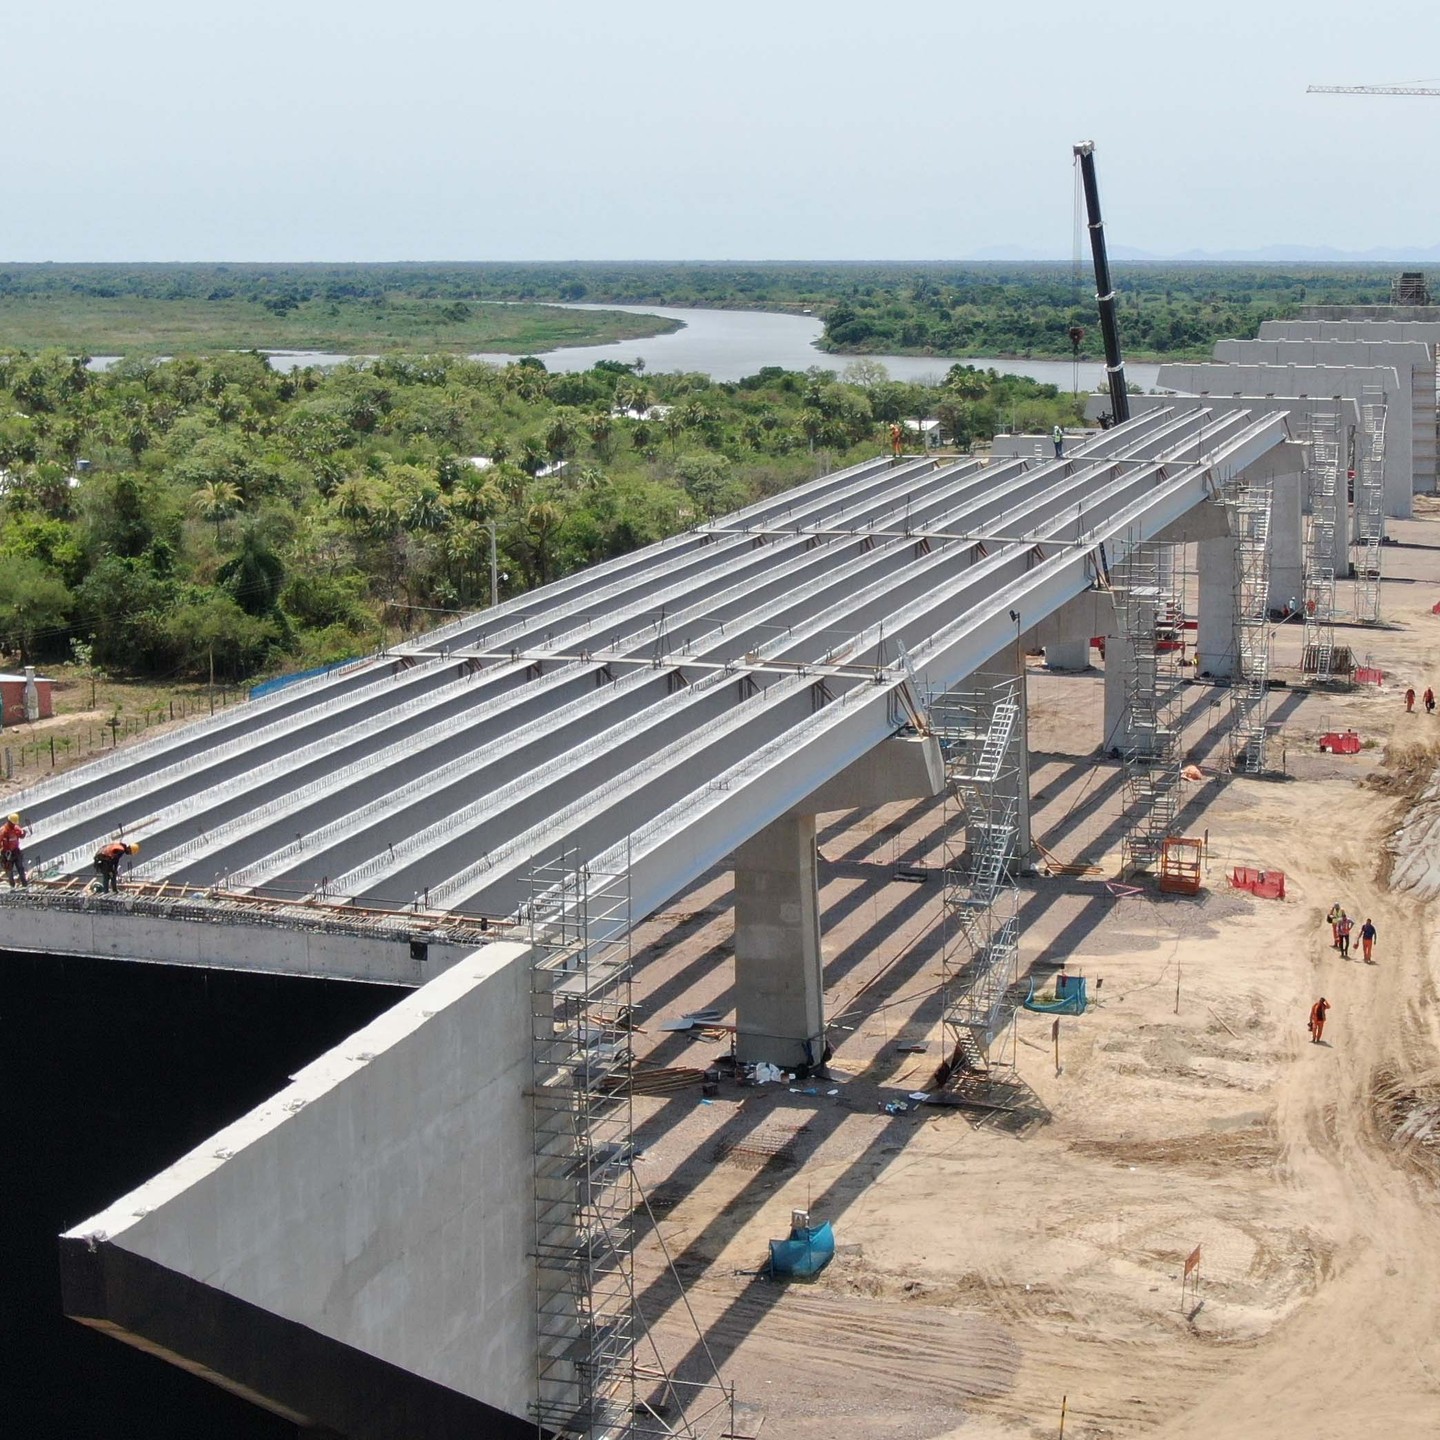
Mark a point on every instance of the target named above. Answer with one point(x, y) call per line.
point(670, 990)
point(741, 1209)
point(908, 966)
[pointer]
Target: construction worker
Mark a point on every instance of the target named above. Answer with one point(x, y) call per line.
point(1343, 930)
point(12, 856)
point(1429, 701)
point(1410, 701)
point(107, 863)
point(897, 440)
point(1318, 1011)
point(1057, 438)
point(1367, 939)
point(1333, 921)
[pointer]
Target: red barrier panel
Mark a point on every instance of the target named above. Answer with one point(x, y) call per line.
point(1265, 884)
point(1337, 743)
point(1369, 675)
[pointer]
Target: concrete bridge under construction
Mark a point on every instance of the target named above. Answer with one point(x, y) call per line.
point(361, 1252)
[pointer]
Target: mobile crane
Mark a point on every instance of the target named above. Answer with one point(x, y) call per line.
point(1104, 289)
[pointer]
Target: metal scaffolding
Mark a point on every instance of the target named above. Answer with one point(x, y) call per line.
point(980, 734)
point(1148, 592)
point(589, 1384)
point(1249, 506)
point(1370, 506)
point(1318, 652)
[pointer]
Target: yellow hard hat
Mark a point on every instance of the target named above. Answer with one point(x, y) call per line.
point(134, 847)
point(14, 819)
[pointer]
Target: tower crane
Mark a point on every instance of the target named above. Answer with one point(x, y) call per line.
point(1369, 90)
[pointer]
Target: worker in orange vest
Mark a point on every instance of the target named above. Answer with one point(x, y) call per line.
point(107, 863)
point(1318, 1011)
point(12, 857)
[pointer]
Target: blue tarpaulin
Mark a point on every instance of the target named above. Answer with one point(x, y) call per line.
point(1069, 997)
point(805, 1254)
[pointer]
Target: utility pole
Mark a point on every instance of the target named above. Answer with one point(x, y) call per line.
point(494, 569)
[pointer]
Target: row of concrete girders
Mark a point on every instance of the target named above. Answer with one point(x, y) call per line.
point(242, 807)
point(1319, 357)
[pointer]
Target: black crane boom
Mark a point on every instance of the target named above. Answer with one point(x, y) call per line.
point(1104, 289)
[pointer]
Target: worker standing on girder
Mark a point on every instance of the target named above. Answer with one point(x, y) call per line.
point(107, 863)
point(1057, 437)
point(12, 855)
point(897, 441)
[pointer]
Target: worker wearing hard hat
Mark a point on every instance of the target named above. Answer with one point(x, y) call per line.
point(1057, 438)
point(12, 855)
point(107, 863)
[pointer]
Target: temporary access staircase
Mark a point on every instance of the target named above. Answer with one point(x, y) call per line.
point(1319, 605)
point(1370, 508)
point(1149, 614)
point(1249, 689)
point(982, 938)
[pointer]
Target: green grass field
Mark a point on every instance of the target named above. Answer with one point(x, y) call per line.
point(134, 325)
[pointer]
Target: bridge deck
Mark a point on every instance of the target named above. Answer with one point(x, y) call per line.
point(653, 711)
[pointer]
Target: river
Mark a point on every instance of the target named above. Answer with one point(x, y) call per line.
point(730, 344)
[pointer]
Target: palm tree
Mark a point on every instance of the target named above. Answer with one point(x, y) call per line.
point(355, 501)
point(475, 497)
point(560, 438)
point(217, 500)
point(601, 430)
point(426, 513)
point(541, 521)
point(532, 456)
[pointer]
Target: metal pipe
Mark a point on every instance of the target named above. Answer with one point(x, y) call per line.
point(1104, 289)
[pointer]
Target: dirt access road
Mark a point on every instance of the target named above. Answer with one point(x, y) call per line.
point(992, 1265)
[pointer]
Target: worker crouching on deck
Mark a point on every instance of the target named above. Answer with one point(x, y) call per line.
point(107, 863)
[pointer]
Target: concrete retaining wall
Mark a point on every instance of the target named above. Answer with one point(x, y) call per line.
point(380, 1201)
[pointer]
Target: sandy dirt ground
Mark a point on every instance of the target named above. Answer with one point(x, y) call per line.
point(993, 1265)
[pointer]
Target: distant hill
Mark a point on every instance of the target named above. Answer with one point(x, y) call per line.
point(1265, 255)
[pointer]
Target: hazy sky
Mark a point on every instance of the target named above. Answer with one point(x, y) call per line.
point(550, 129)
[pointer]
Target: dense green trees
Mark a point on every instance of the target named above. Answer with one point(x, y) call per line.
point(943, 309)
point(275, 519)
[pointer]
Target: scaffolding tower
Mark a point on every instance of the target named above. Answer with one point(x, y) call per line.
point(1249, 507)
point(980, 734)
point(1318, 651)
point(589, 1384)
point(1148, 592)
point(1370, 506)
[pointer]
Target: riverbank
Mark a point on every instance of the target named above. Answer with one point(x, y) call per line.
point(143, 325)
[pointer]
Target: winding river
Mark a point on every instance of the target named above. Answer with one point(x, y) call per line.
point(731, 344)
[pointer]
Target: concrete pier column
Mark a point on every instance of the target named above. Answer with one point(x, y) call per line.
point(1287, 540)
point(1215, 636)
point(1068, 654)
point(1119, 653)
point(779, 980)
